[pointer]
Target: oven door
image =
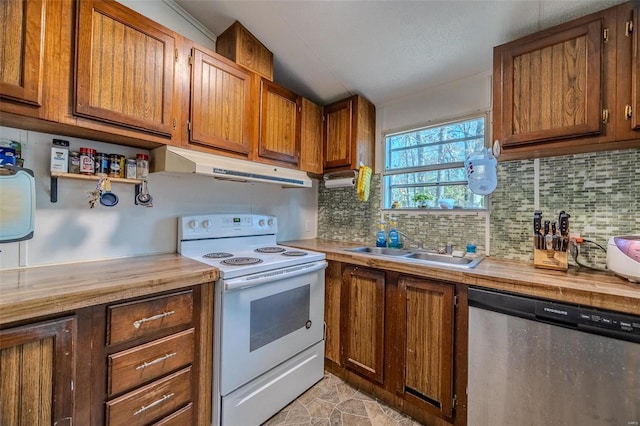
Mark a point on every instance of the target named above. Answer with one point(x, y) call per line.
point(268, 318)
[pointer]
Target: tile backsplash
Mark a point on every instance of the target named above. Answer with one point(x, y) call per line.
point(601, 192)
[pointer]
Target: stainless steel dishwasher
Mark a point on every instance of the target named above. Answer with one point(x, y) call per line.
point(536, 362)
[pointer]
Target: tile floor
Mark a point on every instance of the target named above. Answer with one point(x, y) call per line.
point(332, 402)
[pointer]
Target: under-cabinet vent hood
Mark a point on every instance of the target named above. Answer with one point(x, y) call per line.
point(172, 159)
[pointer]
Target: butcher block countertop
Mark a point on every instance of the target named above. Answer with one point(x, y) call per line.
point(585, 287)
point(46, 290)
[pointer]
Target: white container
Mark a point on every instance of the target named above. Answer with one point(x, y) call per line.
point(60, 157)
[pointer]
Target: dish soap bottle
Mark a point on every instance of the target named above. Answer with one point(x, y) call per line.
point(394, 235)
point(381, 235)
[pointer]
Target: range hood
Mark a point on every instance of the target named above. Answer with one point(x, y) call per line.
point(172, 159)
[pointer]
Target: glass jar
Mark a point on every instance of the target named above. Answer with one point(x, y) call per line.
point(114, 165)
point(131, 172)
point(123, 164)
point(102, 163)
point(74, 162)
point(87, 161)
point(142, 166)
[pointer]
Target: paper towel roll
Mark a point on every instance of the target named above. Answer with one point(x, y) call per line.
point(340, 183)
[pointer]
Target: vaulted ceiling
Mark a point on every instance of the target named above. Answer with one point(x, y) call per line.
point(384, 50)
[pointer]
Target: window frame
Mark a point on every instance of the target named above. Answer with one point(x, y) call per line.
point(385, 190)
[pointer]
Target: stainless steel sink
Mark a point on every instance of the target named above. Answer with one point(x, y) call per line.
point(436, 258)
point(422, 256)
point(382, 250)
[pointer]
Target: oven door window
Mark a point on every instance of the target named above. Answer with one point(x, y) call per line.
point(275, 316)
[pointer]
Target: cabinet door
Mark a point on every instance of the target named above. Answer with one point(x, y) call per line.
point(279, 123)
point(220, 104)
point(124, 68)
point(337, 134)
point(311, 138)
point(332, 288)
point(635, 68)
point(21, 42)
point(428, 342)
point(38, 373)
point(550, 86)
point(362, 325)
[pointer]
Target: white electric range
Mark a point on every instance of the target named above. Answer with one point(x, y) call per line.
point(269, 314)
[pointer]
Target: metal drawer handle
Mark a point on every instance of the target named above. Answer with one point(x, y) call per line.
point(139, 322)
point(153, 404)
point(155, 361)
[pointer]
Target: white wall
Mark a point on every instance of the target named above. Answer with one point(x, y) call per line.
point(69, 231)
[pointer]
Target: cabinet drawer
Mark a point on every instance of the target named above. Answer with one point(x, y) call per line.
point(152, 402)
point(182, 417)
point(133, 367)
point(133, 320)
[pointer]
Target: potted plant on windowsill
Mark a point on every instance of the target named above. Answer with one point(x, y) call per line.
point(422, 199)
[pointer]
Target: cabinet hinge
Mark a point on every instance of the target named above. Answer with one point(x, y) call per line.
point(176, 55)
point(190, 60)
point(605, 116)
point(175, 123)
point(188, 126)
point(455, 401)
point(628, 112)
point(455, 300)
point(605, 35)
point(628, 29)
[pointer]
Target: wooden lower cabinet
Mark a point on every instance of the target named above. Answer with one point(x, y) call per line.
point(428, 342)
point(402, 339)
point(87, 369)
point(362, 327)
point(37, 373)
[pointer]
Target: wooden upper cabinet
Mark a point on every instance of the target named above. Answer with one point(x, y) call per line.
point(627, 110)
point(550, 86)
point(311, 137)
point(280, 118)
point(428, 343)
point(38, 373)
point(349, 134)
point(220, 104)
point(124, 68)
point(22, 44)
point(363, 321)
point(242, 47)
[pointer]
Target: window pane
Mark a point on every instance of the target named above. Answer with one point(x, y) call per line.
point(432, 158)
point(431, 176)
point(436, 145)
point(443, 196)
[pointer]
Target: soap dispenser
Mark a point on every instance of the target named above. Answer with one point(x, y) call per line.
point(381, 235)
point(394, 235)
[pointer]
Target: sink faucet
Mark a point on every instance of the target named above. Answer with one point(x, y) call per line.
point(418, 243)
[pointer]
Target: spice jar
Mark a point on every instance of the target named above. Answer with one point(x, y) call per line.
point(87, 161)
point(123, 164)
point(102, 163)
point(74, 162)
point(114, 165)
point(142, 166)
point(131, 169)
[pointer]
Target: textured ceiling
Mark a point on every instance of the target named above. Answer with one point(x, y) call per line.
point(384, 50)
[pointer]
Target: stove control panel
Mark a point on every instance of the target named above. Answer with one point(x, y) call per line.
point(225, 225)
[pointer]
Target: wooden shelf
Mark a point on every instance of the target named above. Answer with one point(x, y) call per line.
point(94, 178)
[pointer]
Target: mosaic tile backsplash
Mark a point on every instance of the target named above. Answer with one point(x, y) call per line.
point(601, 192)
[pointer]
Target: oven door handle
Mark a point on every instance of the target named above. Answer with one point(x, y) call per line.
point(270, 276)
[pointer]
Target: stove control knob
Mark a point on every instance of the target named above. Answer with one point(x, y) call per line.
point(206, 224)
point(193, 224)
point(270, 222)
point(261, 223)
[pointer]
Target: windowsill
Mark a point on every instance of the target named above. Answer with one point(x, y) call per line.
point(458, 212)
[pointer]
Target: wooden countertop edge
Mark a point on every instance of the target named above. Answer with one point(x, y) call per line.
point(31, 303)
point(600, 290)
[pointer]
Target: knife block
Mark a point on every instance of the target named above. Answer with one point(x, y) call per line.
point(550, 259)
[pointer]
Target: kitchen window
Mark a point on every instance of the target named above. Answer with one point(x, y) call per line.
point(430, 160)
